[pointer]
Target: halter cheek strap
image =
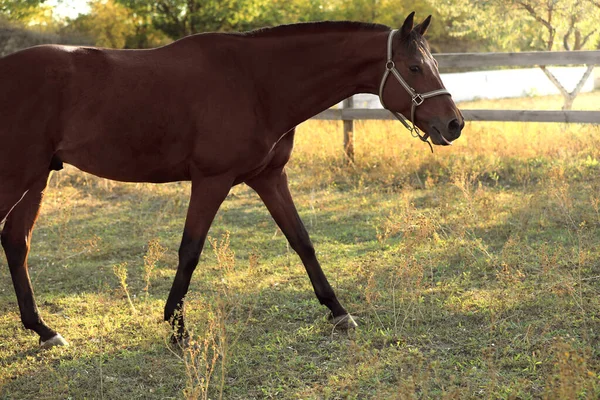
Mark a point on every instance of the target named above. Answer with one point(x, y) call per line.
point(416, 98)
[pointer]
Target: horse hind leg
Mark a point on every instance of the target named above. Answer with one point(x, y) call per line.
point(7, 203)
point(16, 238)
point(8, 198)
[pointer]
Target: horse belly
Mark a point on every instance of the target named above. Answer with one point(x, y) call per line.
point(125, 143)
point(117, 157)
point(127, 139)
point(155, 149)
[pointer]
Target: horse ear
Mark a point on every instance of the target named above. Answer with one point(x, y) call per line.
point(407, 26)
point(422, 27)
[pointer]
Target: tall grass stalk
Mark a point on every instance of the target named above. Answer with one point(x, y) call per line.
point(120, 271)
point(154, 253)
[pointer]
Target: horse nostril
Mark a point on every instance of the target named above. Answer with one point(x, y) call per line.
point(454, 127)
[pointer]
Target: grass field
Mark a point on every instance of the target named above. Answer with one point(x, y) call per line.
point(474, 272)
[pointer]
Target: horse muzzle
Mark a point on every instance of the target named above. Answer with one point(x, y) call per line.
point(444, 132)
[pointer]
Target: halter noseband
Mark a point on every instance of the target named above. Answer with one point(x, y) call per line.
point(417, 98)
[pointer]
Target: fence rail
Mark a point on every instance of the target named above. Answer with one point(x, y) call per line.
point(523, 59)
point(476, 61)
point(581, 117)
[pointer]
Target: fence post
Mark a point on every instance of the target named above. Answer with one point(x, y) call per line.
point(348, 132)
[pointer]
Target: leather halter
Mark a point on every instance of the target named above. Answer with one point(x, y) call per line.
point(416, 98)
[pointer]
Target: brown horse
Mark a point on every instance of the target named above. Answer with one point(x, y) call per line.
point(214, 109)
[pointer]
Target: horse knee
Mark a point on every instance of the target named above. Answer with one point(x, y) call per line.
point(169, 312)
point(189, 253)
point(304, 248)
point(188, 259)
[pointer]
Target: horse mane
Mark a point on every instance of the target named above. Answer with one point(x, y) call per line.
point(315, 27)
point(414, 40)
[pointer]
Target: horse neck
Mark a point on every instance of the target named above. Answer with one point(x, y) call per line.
point(304, 74)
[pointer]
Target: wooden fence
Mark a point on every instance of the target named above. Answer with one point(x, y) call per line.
point(474, 61)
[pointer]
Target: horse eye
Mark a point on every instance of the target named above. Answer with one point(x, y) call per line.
point(414, 68)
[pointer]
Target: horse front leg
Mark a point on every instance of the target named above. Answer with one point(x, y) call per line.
point(16, 241)
point(207, 196)
point(272, 187)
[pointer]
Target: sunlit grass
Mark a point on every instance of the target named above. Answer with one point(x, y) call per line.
point(386, 152)
point(473, 273)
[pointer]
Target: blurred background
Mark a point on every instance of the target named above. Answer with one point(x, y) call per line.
point(473, 271)
point(460, 25)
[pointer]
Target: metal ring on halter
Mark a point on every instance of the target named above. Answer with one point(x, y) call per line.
point(416, 98)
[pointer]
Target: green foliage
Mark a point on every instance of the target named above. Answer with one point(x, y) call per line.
point(14, 37)
point(35, 15)
point(459, 25)
point(150, 23)
point(19, 10)
point(525, 24)
point(178, 18)
point(109, 23)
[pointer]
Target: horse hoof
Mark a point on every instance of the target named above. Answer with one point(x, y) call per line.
point(344, 322)
point(182, 342)
point(56, 340)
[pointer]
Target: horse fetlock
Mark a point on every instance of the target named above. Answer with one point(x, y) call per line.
point(344, 322)
point(180, 339)
point(330, 301)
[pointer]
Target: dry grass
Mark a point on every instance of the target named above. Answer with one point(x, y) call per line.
point(473, 273)
point(386, 153)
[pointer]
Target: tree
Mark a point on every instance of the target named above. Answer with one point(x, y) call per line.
point(178, 18)
point(392, 13)
point(572, 20)
point(569, 20)
point(146, 34)
point(29, 14)
point(109, 23)
point(532, 25)
point(19, 10)
point(596, 4)
point(524, 24)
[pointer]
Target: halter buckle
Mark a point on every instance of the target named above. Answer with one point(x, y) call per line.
point(417, 99)
point(390, 65)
